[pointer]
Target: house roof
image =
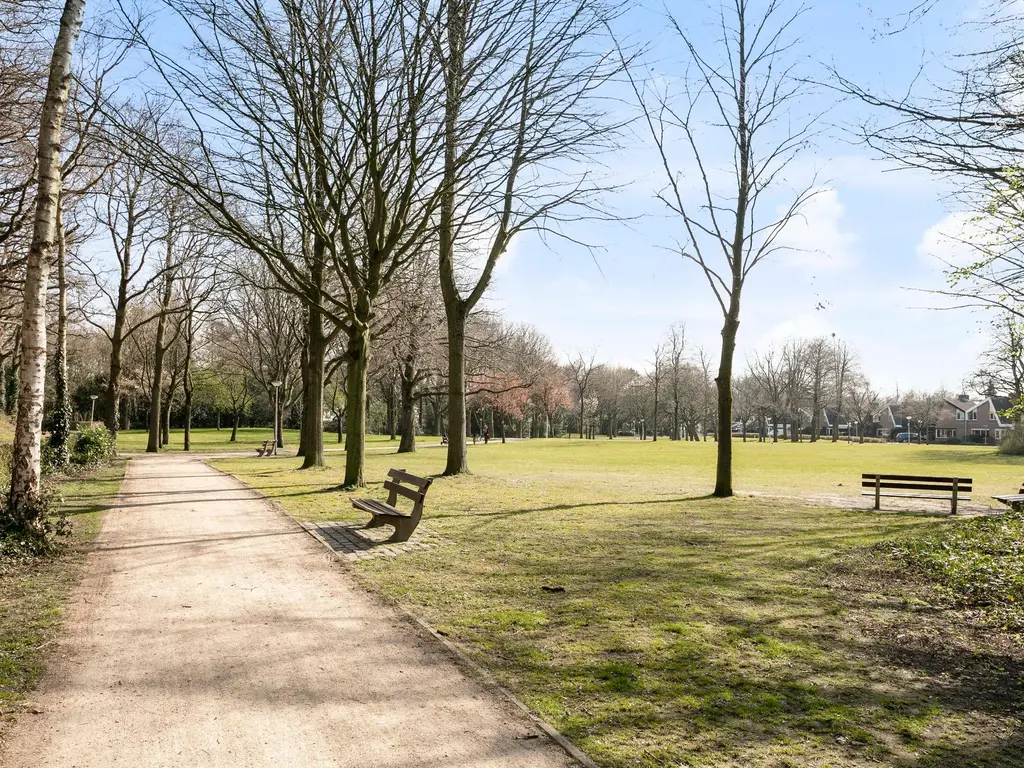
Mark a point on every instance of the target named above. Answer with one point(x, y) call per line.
point(964, 405)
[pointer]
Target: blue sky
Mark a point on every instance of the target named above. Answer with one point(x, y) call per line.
point(869, 235)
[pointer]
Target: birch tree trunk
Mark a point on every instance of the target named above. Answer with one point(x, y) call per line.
point(25, 461)
point(62, 402)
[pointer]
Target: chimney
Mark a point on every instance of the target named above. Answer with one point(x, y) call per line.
point(963, 398)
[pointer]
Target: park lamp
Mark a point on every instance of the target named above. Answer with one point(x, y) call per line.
point(92, 413)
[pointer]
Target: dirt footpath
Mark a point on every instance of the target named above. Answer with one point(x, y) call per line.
point(210, 631)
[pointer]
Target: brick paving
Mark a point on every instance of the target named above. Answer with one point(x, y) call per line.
point(353, 542)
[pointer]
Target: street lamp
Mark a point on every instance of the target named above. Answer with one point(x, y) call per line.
point(92, 413)
point(277, 421)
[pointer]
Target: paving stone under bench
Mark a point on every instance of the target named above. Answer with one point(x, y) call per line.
point(353, 542)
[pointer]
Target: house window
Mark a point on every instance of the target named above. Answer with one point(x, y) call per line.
point(959, 415)
point(999, 434)
point(991, 415)
point(973, 416)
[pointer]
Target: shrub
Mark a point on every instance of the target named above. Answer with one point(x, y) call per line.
point(33, 530)
point(977, 563)
point(1013, 443)
point(93, 446)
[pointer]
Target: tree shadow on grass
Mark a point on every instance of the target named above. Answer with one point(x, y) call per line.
point(711, 644)
point(567, 507)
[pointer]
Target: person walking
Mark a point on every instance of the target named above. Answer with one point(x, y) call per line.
point(486, 433)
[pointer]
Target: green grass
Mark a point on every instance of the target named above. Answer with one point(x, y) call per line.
point(695, 631)
point(33, 593)
point(210, 440)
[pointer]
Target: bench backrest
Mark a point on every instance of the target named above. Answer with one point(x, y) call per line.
point(414, 488)
point(916, 482)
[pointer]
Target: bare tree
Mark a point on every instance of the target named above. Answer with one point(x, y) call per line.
point(968, 126)
point(521, 81)
point(675, 362)
point(751, 88)
point(865, 402)
point(23, 512)
point(1001, 368)
point(582, 370)
point(655, 376)
point(844, 365)
point(324, 162)
point(767, 371)
point(126, 205)
point(817, 358)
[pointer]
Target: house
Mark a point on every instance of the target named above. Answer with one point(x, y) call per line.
point(887, 422)
point(962, 419)
point(827, 419)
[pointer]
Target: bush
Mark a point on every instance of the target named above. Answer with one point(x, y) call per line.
point(93, 447)
point(976, 563)
point(33, 531)
point(1013, 443)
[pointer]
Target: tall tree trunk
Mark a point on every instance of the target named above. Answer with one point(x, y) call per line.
point(355, 433)
point(313, 407)
point(186, 382)
point(25, 459)
point(390, 403)
point(457, 460)
point(234, 428)
point(408, 387)
point(165, 427)
point(723, 383)
point(304, 372)
point(155, 394)
point(61, 433)
point(111, 416)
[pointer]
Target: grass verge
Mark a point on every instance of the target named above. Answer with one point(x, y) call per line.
point(33, 592)
point(657, 626)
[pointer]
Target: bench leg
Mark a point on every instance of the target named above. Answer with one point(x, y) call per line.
point(953, 500)
point(376, 522)
point(878, 492)
point(403, 530)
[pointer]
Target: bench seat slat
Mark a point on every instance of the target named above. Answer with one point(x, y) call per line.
point(918, 486)
point(961, 497)
point(919, 478)
point(377, 507)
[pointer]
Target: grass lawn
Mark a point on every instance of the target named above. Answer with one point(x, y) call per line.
point(32, 594)
point(210, 440)
point(691, 630)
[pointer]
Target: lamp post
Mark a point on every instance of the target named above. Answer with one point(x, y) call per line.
point(92, 412)
point(277, 421)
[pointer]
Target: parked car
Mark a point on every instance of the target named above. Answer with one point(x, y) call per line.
point(907, 437)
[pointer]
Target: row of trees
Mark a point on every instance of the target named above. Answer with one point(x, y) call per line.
point(328, 180)
point(366, 163)
point(355, 171)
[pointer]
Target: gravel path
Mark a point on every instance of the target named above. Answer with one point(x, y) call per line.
point(210, 631)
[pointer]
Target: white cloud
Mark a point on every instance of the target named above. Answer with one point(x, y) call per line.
point(952, 241)
point(816, 239)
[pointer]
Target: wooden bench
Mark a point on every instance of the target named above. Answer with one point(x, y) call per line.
point(951, 489)
point(1014, 501)
point(386, 513)
point(266, 449)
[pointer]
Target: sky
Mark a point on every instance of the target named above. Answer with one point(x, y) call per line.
point(869, 243)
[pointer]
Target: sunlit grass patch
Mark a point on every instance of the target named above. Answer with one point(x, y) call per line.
point(658, 626)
